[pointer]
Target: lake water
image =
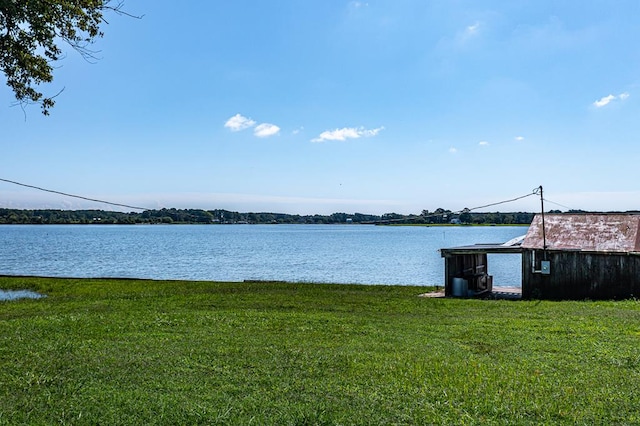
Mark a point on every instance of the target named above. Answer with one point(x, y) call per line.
point(18, 294)
point(360, 254)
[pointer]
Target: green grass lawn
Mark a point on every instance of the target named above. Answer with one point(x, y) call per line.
point(154, 352)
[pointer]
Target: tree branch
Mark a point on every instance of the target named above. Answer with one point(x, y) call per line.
point(30, 32)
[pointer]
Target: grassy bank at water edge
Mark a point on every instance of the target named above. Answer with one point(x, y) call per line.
point(153, 352)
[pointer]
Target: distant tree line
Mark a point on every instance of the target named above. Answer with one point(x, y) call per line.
point(179, 216)
point(442, 216)
point(197, 216)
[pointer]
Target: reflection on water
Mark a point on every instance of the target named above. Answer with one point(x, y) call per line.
point(19, 294)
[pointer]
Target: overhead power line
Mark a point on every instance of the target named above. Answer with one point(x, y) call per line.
point(465, 210)
point(501, 202)
point(558, 204)
point(74, 196)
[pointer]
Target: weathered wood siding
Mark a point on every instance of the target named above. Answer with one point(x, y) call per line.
point(582, 275)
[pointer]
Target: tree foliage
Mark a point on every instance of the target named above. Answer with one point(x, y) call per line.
point(218, 216)
point(30, 35)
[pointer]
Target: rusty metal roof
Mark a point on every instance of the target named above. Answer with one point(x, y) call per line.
point(618, 233)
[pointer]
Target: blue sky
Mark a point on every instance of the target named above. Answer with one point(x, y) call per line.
point(323, 106)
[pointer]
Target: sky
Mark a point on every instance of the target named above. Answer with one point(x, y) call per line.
point(323, 106)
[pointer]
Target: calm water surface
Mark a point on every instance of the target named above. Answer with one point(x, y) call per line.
point(361, 254)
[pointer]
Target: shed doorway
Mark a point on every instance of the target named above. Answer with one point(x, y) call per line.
point(506, 269)
point(483, 270)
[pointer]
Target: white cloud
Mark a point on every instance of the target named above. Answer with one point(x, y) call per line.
point(483, 143)
point(472, 29)
point(239, 122)
point(298, 130)
point(610, 98)
point(372, 132)
point(265, 130)
point(346, 133)
point(453, 150)
point(519, 138)
point(467, 34)
point(603, 101)
point(462, 39)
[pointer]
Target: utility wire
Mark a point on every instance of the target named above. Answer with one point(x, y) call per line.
point(465, 210)
point(73, 196)
point(558, 204)
point(500, 202)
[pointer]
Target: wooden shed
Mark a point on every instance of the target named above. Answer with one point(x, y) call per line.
point(595, 256)
point(571, 256)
